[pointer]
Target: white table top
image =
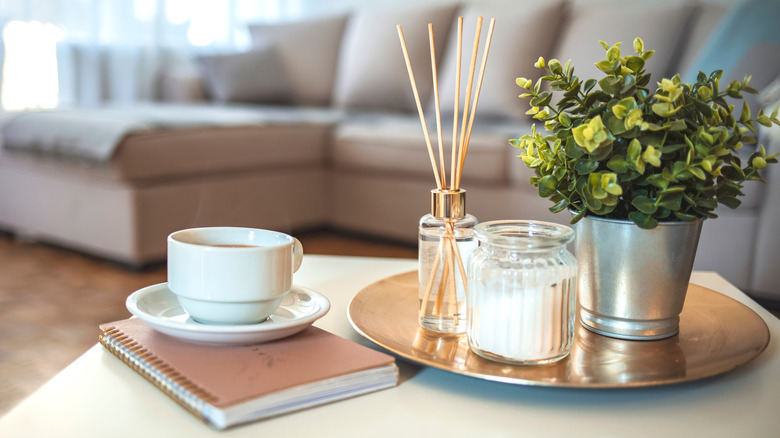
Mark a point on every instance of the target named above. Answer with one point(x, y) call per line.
point(99, 396)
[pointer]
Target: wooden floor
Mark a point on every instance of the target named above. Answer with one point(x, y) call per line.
point(52, 300)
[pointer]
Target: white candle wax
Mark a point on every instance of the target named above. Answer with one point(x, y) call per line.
point(523, 318)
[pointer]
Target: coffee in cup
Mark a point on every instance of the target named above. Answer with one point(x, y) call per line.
point(231, 275)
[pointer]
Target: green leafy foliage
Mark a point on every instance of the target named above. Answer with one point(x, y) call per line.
point(622, 151)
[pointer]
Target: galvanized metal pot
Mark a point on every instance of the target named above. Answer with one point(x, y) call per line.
point(633, 281)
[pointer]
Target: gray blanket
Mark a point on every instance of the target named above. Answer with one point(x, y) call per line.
point(94, 134)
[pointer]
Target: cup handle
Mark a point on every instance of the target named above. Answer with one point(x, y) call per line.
point(297, 254)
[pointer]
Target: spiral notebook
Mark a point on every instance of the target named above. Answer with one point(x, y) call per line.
point(230, 385)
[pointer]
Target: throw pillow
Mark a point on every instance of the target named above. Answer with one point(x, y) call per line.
point(706, 17)
point(659, 23)
point(372, 72)
point(745, 26)
point(762, 63)
point(308, 51)
point(770, 99)
point(256, 76)
point(520, 36)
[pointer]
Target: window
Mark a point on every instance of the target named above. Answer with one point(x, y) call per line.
point(30, 65)
point(57, 52)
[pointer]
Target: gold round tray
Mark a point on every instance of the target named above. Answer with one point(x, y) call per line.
point(717, 334)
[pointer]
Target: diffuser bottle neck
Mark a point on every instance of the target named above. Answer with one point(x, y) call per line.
point(448, 204)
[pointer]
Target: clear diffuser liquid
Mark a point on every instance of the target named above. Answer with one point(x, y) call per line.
point(444, 249)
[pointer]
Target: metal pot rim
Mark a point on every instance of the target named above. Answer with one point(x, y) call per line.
point(630, 222)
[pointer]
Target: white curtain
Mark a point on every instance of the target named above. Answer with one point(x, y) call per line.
point(59, 53)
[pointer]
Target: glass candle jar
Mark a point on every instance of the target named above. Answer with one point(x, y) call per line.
point(522, 292)
point(446, 240)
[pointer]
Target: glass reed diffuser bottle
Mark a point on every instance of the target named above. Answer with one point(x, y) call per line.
point(446, 236)
point(446, 241)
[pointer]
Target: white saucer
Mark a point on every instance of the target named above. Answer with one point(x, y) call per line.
point(158, 306)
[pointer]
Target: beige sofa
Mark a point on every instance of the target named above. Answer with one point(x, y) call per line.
point(348, 150)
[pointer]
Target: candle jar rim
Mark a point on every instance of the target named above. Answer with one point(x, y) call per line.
point(523, 234)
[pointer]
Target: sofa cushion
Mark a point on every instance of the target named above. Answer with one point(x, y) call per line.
point(659, 23)
point(395, 145)
point(281, 137)
point(278, 138)
point(254, 76)
point(165, 154)
point(93, 134)
point(372, 72)
point(308, 51)
point(521, 35)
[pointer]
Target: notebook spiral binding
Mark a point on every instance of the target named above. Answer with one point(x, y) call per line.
point(190, 396)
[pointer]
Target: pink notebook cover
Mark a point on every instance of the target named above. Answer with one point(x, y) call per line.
point(226, 375)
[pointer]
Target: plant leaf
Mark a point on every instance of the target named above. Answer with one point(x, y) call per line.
point(547, 186)
point(617, 163)
point(672, 202)
point(658, 180)
point(702, 107)
point(745, 115)
point(664, 109)
point(634, 150)
point(642, 220)
point(572, 150)
point(589, 84)
point(644, 204)
point(697, 172)
point(560, 206)
point(709, 204)
point(584, 167)
point(635, 63)
point(578, 217)
point(729, 201)
point(684, 217)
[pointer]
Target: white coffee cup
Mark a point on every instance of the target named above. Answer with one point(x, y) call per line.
point(231, 275)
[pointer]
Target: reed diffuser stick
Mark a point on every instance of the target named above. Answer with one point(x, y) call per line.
point(476, 99)
point(452, 289)
point(445, 275)
point(457, 102)
point(473, 64)
point(458, 258)
point(438, 108)
point(419, 107)
point(429, 285)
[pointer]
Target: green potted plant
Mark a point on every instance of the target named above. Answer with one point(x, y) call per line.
point(639, 169)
